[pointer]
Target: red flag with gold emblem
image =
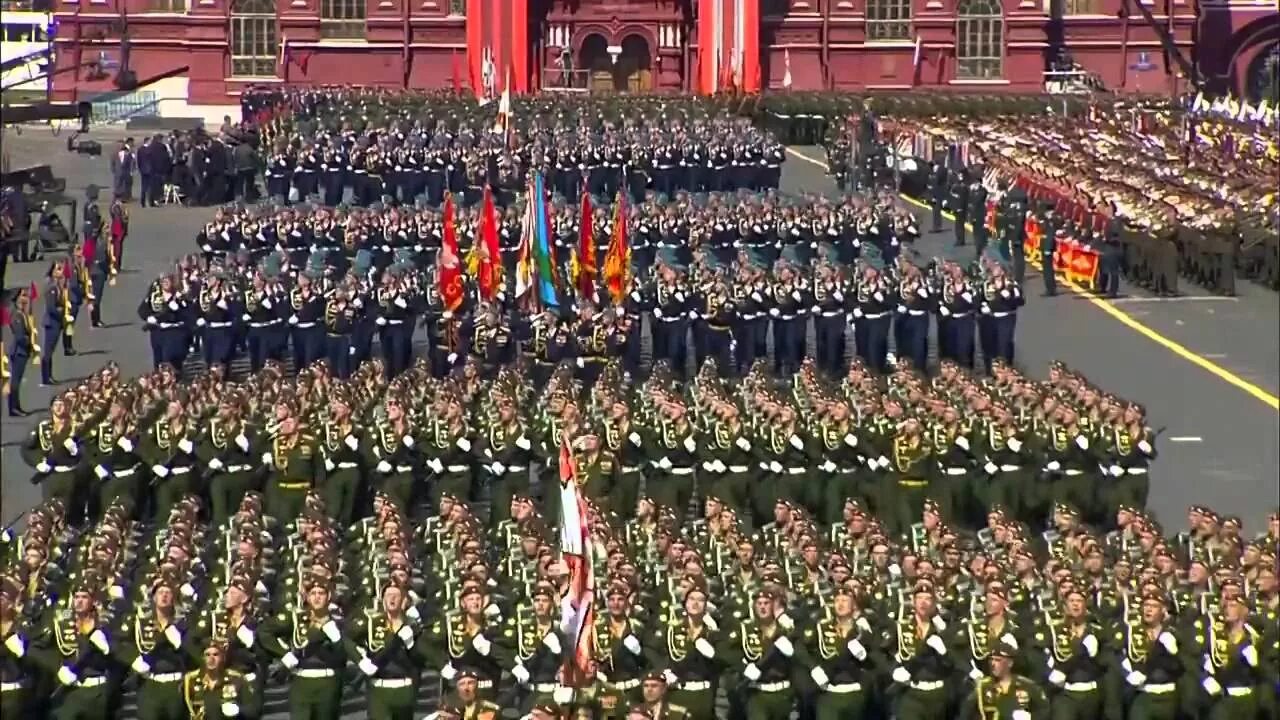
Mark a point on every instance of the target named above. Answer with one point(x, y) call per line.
point(450, 274)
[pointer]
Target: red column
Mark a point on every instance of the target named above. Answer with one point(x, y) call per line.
point(519, 45)
point(707, 45)
point(751, 79)
point(475, 44)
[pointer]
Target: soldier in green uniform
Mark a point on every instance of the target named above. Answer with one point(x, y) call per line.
point(920, 651)
point(1236, 673)
point(466, 701)
point(391, 453)
point(76, 649)
point(1150, 660)
point(845, 652)
point(619, 652)
point(1004, 695)
point(384, 645)
point(214, 692)
point(17, 673)
point(343, 463)
point(293, 465)
point(505, 450)
point(539, 648)
point(156, 649)
point(53, 450)
point(909, 480)
point(1077, 660)
point(466, 639)
point(169, 450)
point(110, 451)
point(309, 644)
point(229, 452)
point(684, 645)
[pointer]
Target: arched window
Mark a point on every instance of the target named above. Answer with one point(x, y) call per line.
point(888, 19)
point(979, 40)
point(253, 38)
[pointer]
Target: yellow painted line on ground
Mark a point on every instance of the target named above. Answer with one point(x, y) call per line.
point(1123, 318)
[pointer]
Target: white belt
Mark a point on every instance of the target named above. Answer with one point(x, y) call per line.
point(1001, 314)
point(1136, 471)
point(63, 468)
point(1158, 689)
point(929, 686)
point(169, 326)
point(268, 323)
point(846, 470)
point(315, 673)
point(394, 322)
point(666, 319)
point(545, 687)
point(165, 677)
point(630, 468)
point(844, 688)
point(738, 468)
point(832, 313)
point(11, 686)
point(774, 686)
point(125, 472)
point(179, 470)
point(238, 468)
point(751, 316)
point(516, 469)
point(1239, 691)
point(797, 471)
point(1081, 686)
point(91, 682)
point(916, 313)
point(874, 316)
point(696, 685)
point(450, 468)
point(626, 684)
point(681, 471)
point(305, 325)
point(392, 683)
point(786, 317)
point(960, 315)
point(1010, 468)
point(347, 465)
point(954, 471)
point(216, 325)
point(1072, 473)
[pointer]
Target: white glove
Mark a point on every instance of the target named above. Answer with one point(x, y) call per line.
point(784, 646)
point(705, 648)
point(464, 444)
point(1053, 466)
point(743, 444)
point(820, 678)
point(230, 709)
point(383, 466)
point(99, 640)
point(1013, 444)
point(828, 466)
point(1090, 645)
point(186, 446)
point(796, 442)
point(331, 631)
point(857, 650)
point(1057, 677)
point(436, 465)
point(329, 465)
point(1144, 446)
point(125, 444)
point(1250, 655)
point(242, 442)
point(293, 319)
point(775, 466)
point(1169, 642)
point(1020, 714)
point(407, 440)
point(352, 443)
point(562, 695)
point(151, 320)
point(523, 443)
point(975, 674)
point(140, 666)
point(245, 636)
point(1136, 679)
point(215, 464)
point(938, 623)
point(160, 471)
point(289, 660)
point(521, 674)
point(900, 675)
point(552, 641)
point(267, 459)
point(406, 634)
point(101, 472)
point(367, 667)
point(498, 468)
point(751, 672)
point(962, 442)
point(67, 676)
point(1082, 442)
point(71, 446)
point(665, 463)
point(1211, 686)
point(449, 672)
point(632, 644)
point(936, 643)
point(15, 645)
point(1116, 470)
point(670, 677)
point(453, 358)
point(174, 636)
point(43, 467)
point(481, 644)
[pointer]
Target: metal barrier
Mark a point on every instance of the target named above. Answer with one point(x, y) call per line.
point(114, 107)
point(1071, 82)
point(557, 79)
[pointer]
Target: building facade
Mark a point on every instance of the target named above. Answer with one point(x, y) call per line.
point(208, 51)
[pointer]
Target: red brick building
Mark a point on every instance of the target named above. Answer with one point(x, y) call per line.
point(664, 45)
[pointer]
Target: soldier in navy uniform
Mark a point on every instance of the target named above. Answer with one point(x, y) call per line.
point(307, 316)
point(915, 304)
point(791, 304)
point(1011, 219)
point(872, 312)
point(829, 318)
point(671, 313)
point(717, 327)
point(937, 182)
point(217, 319)
point(978, 212)
point(263, 304)
point(545, 342)
point(165, 311)
point(333, 168)
point(25, 344)
point(57, 316)
point(1051, 224)
point(279, 174)
point(958, 201)
point(395, 321)
point(1001, 298)
point(99, 274)
point(339, 324)
point(956, 306)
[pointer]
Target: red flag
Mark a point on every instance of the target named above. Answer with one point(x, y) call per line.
point(585, 279)
point(450, 275)
point(617, 261)
point(490, 256)
point(457, 75)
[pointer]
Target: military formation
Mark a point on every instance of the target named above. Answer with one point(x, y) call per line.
point(868, 548)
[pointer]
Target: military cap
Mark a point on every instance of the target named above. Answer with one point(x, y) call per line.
point(1004, 649)
point(1153, 595)
point(922, 586)
point(469, 590)
point(242, 583)
point(998, 589)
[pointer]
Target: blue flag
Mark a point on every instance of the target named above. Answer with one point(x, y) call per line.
point(542, 247)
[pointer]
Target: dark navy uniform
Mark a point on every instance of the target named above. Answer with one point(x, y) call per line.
point(217, 320)
point(165, 313)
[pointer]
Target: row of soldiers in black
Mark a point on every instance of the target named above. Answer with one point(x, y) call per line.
point(410, 147)
point(329, 282)
point(844, 620)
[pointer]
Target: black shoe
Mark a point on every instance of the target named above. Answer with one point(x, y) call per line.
point(69, 352)
point(17, 412)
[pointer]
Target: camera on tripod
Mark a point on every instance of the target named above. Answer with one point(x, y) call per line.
point(92, 148)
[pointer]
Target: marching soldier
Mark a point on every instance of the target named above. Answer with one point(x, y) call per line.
point(539, 650)
point(24, 348)
point(308, 641)
point(766, 652)
point(156, 650)
point(1075, 657)
point(53, 450)
point(1004, 695)
point(619, 652)
point(920, 653)
point(384, 645)
point(1151, 660)
point(215, 692)
point(684, 646)
point(76, 649)
point(469, 643)
point(343, 462)
point(229, 452)
point(17, 671)
point(845, 652)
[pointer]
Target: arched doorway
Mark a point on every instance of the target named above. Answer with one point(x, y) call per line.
point(593, 57)
point(1262, 81)
point(634, 72)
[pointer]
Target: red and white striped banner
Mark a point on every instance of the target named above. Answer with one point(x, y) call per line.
point(577, 607)
point(729, 45)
